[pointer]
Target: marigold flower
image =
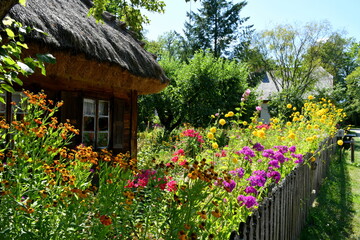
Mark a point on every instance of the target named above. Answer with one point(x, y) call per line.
point(230, 114)
point(222, 122)
point(215, 145)
point(213, 130)
point(210, 135)
point(289, 106)
point(340, 142)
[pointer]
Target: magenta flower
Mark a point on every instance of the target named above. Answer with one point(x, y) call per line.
point(258, 108)
point(258, 147)
point(292, 149)
point(299, 158)
point(239, 172)
point(274, 175)
point(250, 189)
point(229, 186)
point(171, 186)
point(258, 178)
point(274, 163)
point(248, 201)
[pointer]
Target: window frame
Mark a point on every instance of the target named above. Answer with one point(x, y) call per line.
point(96, 114)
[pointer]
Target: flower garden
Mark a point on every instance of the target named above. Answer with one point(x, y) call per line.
point(198, 184)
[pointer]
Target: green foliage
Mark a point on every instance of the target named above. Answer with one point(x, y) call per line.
point(353, 90)
point(12, 64)
point(129, 11)
point(204, 86)
point(217, 27)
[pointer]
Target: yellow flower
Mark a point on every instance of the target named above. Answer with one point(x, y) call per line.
point(289, 106)
point(294, 108)
point(340, 142)
point(210, 135)
point(230, 114)
point(245, 123)
point(213, 129)
point(291, 135)
point(235, 160)
point(288, 124)
point(310, 97)
point(212, 116)
point(222, 122)
point(215, 145)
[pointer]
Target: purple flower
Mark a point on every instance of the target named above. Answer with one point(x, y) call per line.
point(268, 153)
point(248, 201)
point(274, 163)
point(237, 172)
point(299, 158)
point(274, 175)
point(229, 186)
point(278, 156)
point(250, 189)
point(247, 152)
point(292, 149)
point(282, 149)
point(258, 147)
point(258, 178)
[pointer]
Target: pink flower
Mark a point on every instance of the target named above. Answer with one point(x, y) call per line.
point(171, 186)
point(258, 108)
point(182, 163)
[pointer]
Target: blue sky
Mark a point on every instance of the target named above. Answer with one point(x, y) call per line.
point(343, 15)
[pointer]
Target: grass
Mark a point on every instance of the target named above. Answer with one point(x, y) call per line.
point(336, 211)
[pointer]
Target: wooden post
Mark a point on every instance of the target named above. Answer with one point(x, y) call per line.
point(134, 112)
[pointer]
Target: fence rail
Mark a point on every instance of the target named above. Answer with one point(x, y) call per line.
point(282, 215)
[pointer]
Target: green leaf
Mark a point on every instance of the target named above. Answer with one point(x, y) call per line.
point(46, 58)
point(25, 67)
point(22, 2)
point(2, 100)
point(17, 80)
point(8, 61)
point(7, 87)
point(10, 33)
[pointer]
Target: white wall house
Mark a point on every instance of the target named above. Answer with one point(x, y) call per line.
point(267, 89)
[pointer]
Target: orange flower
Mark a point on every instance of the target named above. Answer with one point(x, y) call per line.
point(105, 220)
point(202, 214)
point(216, 213)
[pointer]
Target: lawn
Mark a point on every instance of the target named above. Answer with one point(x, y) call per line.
point(336, 211)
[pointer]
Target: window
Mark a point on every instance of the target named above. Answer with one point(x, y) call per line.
point(96, 122)
point(8, 98)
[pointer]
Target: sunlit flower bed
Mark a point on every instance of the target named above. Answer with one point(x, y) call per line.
point(198, 185)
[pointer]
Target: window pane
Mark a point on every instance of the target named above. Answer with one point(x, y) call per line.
point(103, 139)
point(103, 124)
point(104, 108)
point(89, 123)
point(88, 138)
point(89, 107)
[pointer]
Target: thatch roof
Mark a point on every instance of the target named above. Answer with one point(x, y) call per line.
point(71, 32)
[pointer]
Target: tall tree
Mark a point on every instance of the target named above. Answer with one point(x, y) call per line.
point(217, 27)
point(292, 55)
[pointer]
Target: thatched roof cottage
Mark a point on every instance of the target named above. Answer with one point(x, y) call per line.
point(100, 70)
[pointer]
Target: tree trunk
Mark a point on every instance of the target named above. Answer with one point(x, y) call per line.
point(5, 6)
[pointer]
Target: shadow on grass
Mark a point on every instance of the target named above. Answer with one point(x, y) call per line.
point(332, 212)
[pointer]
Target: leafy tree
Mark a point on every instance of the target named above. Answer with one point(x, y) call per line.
point(353, 90)
point(216, 27)
point(204, 86)
point(292, 55)
point(338, 56)
point(12, 64)
point(129, 11)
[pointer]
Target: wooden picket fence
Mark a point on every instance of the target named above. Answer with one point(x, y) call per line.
point(282, 215)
